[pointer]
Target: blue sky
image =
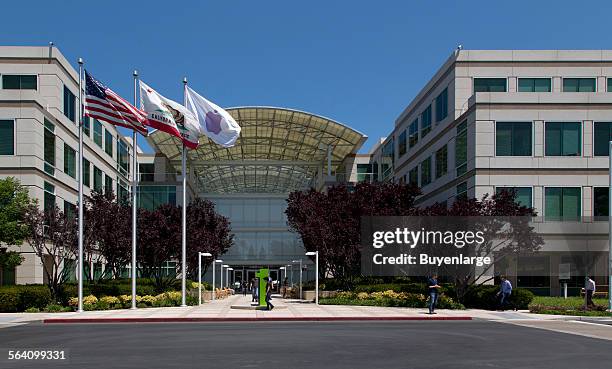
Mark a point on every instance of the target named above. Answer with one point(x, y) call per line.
point(357, 62)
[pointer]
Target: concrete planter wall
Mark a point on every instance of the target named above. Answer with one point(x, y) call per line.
point(310, 295)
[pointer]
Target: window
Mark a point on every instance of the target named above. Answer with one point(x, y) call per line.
point(600, 202)
point(442, 105)
point(123, 158)
point(108, 184)
point(579, 85)
point(402, 143)
point(461, 190)
point(97, 132)
point(461, 149)
point(108, 143)
point(489, 85)
point(609, 85)
point(69, 104)
point(603, 136)
point(563, 139)
point(150, 197)
point(19, 82)
point(513, 139)
point(523, 195)
point(69, 161)
point(7, 137)
point(441, 162)
point(413, 133)
point(122, 192)
point(147, 171)
point(86, 126)
point(364, 173)
point(69, 209)
point(562, 203)
point(534, 85)
point(49, 150)
point(426, 121)
point(86, 173)
point(425, 172)
point(413, 176)
point(49, 198)
point(97, 179)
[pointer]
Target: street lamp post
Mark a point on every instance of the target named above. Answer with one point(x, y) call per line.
point(316, 255)
point(223, 266)
point(291, 275)
point(228, 276)
point(300, 261)
point(200, 254)
point(213, 287)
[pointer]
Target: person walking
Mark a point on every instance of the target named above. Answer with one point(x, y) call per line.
point(432, 284)
point(253, 290)
point(269, 288)
point(245, 286)
point(505, 290)
point(589, 290)
point(285, 286)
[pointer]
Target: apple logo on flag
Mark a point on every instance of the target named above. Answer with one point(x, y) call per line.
point(213, 122)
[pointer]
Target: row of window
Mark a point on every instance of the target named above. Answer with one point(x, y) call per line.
point(70, 153)
point(425, 172)
point(409, 137)
point(563, 203)
point(30, 82)
point(588, 84)
point(560, 138)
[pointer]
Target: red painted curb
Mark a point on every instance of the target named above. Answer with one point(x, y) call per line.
point(271, 319)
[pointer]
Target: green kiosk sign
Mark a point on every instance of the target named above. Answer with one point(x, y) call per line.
point(263, 275)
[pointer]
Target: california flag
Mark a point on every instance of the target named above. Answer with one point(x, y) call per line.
point(215, 122)
point(169, 116)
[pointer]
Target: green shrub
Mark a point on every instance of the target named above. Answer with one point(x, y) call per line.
point(32, 310)
point(54, 308)
point(21, 297)
point(485, 297)
point(142, 305)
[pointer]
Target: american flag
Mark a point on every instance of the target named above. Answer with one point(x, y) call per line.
point(104, 104)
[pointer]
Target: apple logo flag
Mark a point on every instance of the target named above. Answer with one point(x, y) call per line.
point(215, 123)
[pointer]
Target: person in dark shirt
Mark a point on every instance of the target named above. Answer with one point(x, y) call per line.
point(269, 294)
point(432, 285)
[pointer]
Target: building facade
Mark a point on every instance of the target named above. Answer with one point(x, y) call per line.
point(537, 122)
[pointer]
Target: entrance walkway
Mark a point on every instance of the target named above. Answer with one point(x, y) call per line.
point(220, 310)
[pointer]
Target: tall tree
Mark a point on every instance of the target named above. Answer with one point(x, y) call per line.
point(14, 204)
point(329, 222)
point(507, 228)
point(107, 232)
point(207, 231)
point(53, 238)
point(159, 241)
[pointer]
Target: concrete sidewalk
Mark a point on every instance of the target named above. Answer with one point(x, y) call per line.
point(289, 310)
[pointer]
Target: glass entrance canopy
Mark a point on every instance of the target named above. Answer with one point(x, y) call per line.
point(279, 150)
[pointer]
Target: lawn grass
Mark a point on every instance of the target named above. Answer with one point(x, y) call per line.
point(573, 302)
point(569, 306)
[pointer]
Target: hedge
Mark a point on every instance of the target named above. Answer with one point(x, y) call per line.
point(23, 297)
point(485, 297)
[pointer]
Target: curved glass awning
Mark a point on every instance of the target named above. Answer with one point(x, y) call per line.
point(279, 150)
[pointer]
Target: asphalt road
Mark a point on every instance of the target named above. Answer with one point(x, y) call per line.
point(468, 344)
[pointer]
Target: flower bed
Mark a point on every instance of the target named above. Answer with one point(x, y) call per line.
point(389, 298)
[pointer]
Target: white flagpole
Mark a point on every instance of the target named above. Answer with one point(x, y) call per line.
point(184, 238)
point(134, 194)
point(80, 120)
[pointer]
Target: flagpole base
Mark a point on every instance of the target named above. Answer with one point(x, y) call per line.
point(184, 306)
